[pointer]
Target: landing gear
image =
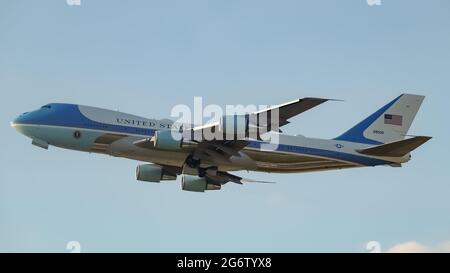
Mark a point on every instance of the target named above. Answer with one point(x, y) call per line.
point(192, 162)
point(201, 172)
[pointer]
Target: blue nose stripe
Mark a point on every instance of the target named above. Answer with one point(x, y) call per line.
point(69, 115)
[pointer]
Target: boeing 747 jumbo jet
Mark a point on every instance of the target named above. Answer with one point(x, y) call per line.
point(205, 164)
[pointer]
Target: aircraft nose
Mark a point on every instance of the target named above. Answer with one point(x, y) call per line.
point(22, 122)
point(19, 120)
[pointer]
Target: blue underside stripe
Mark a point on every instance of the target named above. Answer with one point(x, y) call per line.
point(324, 153)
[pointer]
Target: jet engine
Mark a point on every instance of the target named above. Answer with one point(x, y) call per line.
point(168, 140)
point(153, 173)
point(197, 184)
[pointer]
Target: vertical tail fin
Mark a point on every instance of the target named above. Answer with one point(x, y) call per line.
point(390, 123)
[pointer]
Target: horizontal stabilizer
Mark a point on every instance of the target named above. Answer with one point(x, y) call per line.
point(396, 149)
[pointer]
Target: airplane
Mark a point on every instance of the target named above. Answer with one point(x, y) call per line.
point(207, 164)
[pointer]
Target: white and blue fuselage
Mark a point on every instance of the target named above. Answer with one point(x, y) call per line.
point(91, 129)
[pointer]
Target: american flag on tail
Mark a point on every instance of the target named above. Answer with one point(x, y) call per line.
point(393, 119)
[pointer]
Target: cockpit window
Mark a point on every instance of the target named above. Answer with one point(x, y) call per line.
point(48, 106)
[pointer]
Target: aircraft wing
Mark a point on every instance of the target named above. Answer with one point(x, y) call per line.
point(291, 109)
point(219, 152)
point(227, 147)
point(265, 117)
point(225, 177)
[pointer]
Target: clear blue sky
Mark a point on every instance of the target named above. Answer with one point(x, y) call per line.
point(143, 57)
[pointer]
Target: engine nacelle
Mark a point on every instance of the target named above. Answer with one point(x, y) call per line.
point(197, 184)
point(153, 173)
point(168, 140)
point(235, 126)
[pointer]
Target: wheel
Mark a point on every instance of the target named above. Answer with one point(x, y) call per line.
point(201, 172)
point(193, 163)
